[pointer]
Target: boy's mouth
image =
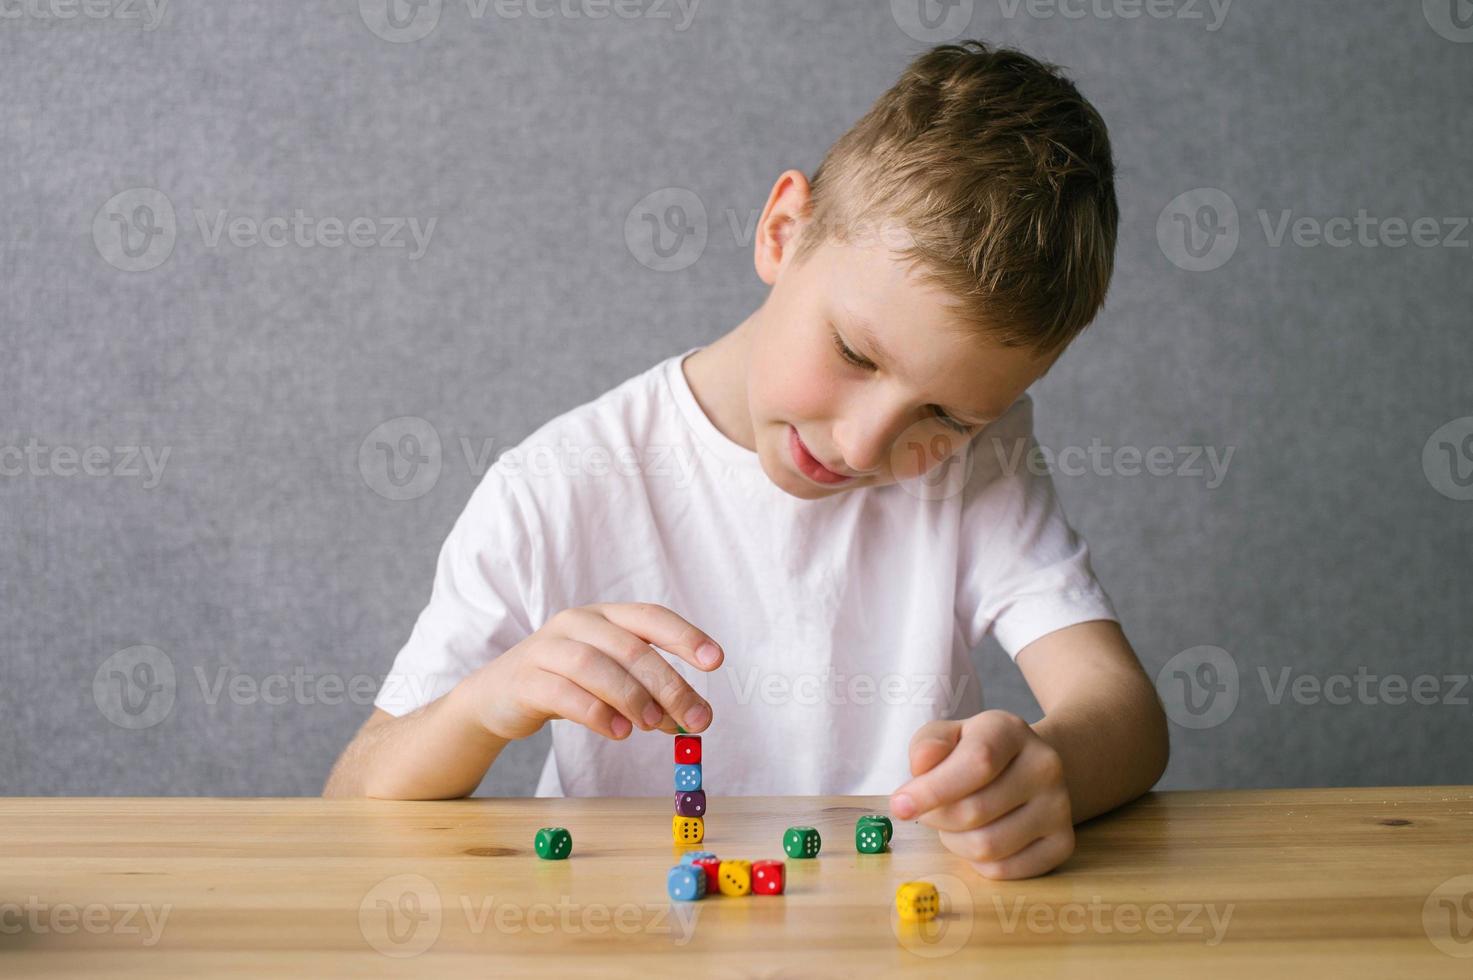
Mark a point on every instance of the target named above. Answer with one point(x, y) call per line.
point(808, 465)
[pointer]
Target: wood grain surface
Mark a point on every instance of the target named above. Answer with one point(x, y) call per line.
point(1304, 883)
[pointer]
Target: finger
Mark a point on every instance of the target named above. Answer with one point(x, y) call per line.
point(558, 697)
point(673, 698)
point(602, 676)
point(665, 629)
point(931, 743)
point(975, 762)
point(992, 802)
point(1029, 775)
point(1038, 858)
point(669, 726)
point(1000, 839)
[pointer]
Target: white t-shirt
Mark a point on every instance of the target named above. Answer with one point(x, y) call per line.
point(847, 622)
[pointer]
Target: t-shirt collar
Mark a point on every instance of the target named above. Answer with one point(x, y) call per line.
point(711, 438)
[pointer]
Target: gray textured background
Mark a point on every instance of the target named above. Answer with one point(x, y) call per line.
point(267, 547)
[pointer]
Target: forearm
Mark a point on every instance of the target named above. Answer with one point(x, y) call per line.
point(1113, 740)
point(438, 752)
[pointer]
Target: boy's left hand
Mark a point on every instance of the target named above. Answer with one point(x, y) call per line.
point(995, 791)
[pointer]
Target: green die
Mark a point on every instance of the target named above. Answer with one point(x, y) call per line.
point(553, 843)
point(801, 842)
point(880, 820)
point(870, 835)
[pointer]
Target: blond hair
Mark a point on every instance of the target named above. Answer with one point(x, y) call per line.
point(1000, 175)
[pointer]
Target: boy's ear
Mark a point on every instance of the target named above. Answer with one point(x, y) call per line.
point(781, 221)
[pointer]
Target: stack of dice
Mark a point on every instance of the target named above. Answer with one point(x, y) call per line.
point(689, 825)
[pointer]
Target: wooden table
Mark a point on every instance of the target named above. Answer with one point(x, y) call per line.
point(1303, 883)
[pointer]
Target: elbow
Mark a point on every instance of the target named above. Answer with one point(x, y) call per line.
point(1159, 738)
point(338, 785)
point(386, 785)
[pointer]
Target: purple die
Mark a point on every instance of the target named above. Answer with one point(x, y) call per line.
point(692, 804)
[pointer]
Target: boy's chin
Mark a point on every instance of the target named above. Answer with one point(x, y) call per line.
point(795, 487)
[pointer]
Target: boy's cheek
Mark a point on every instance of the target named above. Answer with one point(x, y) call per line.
point(792, 389)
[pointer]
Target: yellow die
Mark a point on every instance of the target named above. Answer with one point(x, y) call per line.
point(917, 900)
point(688, 830)
point(734, 877)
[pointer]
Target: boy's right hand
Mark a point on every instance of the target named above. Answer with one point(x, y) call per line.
point(594, 665)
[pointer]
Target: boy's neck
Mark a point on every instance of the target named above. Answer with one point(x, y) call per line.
point(717, 375)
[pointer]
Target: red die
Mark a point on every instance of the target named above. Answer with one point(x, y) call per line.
point(767, 877)
point(687, 749)
point(712, 867)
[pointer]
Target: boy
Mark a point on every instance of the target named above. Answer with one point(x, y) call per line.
point(767, 509)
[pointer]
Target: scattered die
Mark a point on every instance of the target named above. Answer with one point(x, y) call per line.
point(712, 867)
point(801, 842)
point(691, 857)
point(735, 877)
point(870, 835)
point(917, 901)
point(688, 830)
point(883, 821)
point(553, 843)
point(692, 804)
point(767, 877)
point(685, 883)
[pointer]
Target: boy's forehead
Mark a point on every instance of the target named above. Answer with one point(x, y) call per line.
point(875, 284)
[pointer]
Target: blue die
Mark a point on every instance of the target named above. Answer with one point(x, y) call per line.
point(686, 883)
point(691, 857)
point(688, 777)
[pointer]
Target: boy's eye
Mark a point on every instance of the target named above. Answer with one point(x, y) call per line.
point(950, 422)
point(849, 355)
point(853, 358)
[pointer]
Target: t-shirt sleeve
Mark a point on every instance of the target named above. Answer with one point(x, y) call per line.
point(1023, 571)
point(481, 604)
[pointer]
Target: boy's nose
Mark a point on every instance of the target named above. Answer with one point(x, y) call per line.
point(865, 444)
point(862, 461)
